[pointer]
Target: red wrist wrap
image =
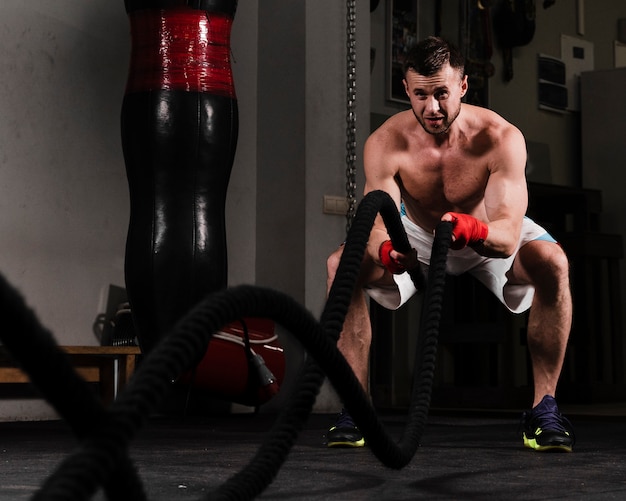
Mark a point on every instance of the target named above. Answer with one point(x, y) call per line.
point(467, 231)
point(384, 253)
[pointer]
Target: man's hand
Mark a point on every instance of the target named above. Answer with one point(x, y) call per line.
point(466, 230)
point(395, 261)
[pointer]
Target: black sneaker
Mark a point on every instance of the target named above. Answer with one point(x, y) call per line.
point(344, 433)
point(545, 429)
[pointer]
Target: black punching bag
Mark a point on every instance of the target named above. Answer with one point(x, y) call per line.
point(179, 125)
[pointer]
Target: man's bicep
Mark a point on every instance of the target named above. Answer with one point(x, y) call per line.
point(381, 166)
point(506, 196)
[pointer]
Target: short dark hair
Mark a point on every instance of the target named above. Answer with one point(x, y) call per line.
point(431, 54)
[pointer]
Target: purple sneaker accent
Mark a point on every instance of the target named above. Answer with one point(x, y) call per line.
point(546, 429)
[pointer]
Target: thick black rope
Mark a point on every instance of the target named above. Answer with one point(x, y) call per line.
point(392, 454)
point(36, 351)
point(103, 449)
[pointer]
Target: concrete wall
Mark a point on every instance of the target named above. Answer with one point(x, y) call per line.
point(63, 195)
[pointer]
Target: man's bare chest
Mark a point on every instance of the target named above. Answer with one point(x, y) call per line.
point(435, 184)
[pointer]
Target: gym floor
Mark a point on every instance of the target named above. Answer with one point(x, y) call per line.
point(463, 455)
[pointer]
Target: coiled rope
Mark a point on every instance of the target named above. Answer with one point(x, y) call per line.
point(101, 458)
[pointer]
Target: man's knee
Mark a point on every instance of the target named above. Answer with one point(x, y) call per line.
point(545, 263)
point(369, 272)
point(554, 260)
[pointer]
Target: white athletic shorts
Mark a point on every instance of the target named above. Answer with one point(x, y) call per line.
point(490, 271)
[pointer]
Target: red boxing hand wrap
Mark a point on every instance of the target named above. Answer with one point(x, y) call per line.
point(467, 231)
point(384, 253)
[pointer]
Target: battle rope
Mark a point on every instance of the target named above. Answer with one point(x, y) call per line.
point(35, 349)
point(105, 435)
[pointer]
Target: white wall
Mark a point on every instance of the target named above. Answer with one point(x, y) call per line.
point(63, 197)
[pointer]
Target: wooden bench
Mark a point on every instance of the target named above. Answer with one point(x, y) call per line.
point(110, 366)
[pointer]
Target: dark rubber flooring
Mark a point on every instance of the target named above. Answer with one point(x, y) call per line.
point(461, 457)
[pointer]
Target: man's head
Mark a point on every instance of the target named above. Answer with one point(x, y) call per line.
point(432, 54)
point(435, 82)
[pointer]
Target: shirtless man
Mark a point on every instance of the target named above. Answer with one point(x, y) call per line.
point(451, 161)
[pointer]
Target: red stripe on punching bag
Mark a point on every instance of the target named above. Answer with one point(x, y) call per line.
point(180, 49)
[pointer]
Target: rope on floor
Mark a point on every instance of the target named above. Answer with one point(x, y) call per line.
point(101, 458)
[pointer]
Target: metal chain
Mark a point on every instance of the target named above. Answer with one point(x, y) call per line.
point(351, 112)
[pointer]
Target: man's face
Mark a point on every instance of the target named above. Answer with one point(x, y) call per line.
point(436, 100)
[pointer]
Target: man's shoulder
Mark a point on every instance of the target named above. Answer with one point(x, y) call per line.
point(488, 123)
point(395, 127)
point(487, 118)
